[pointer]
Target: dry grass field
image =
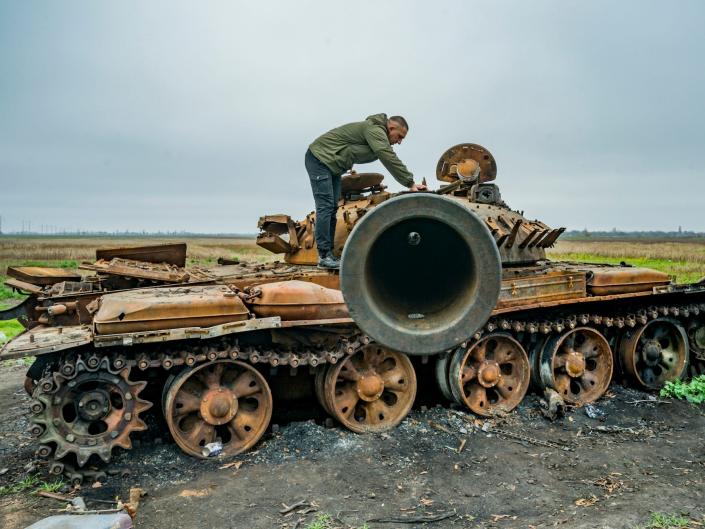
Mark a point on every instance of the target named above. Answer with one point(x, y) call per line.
point(69, 252)
point(683, 260)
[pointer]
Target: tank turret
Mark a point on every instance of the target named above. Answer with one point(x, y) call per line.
point(469, 170)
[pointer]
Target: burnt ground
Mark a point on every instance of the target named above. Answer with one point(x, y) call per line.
point(641, 457)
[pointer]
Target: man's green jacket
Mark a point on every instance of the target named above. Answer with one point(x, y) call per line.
point(360, 142)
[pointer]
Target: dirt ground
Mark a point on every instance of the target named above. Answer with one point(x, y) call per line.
point(642, 456)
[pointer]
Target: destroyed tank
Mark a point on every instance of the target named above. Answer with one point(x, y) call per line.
point(452, 283)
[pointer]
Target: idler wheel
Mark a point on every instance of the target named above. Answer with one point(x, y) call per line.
point(491, 375)
point(655, 353)
point(577, 364)
point(371, 390)
point(227, 401)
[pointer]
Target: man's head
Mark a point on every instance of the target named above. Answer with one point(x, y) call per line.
point(397, 127)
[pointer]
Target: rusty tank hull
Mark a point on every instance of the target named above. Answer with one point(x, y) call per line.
point(452, 282)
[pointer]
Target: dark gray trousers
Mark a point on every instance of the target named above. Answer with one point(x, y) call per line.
point(326, 193)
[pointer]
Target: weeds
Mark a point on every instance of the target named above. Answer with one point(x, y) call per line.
point(50, 486)
point(692, 391)
point(322, 521)
point(325, 521)
point(666, 521)
point(33, 483)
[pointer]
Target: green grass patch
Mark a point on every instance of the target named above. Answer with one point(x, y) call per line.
point(10, 328)
point(683, 271)
point(325, 521)
point(322, 521)
point(61, 263)
point(692, 391)
point(660, 520)
point(6, 293)
point(50, 486)
point(31, 482)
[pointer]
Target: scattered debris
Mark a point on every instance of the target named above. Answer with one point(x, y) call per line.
point(212, 449)
point(310, 506)
point(621, 429)
point(439, 427)
point(134, 502)
point(594, 412)
point(610, 483)
point(553, 406)
point(486, 427)
point(586, 502)
point(54, 496)
point(190, 493)
point(651, 400)
point(463, 441)
point(498, 517)
point(236, 464)
point(79, 504)
point(419, 519)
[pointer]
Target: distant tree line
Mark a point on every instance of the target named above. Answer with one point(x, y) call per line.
point(636, 235)
point(130, 234)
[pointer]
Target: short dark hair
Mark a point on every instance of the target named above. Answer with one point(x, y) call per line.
point(401, 121)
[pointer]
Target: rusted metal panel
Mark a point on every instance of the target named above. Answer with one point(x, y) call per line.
point(622, 280)
point(42, 275)
point(174, 254)
point(541, 286)
point(296, 300)
point(168, 308)
point(308, 323)
point(272, 228)
point(559, 302)
point(360, 183)
point(23, 286)
point(273, 243)
point(117, 266)
point(202, 333)
point(42, 340)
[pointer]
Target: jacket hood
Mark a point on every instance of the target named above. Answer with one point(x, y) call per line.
point(378, 119)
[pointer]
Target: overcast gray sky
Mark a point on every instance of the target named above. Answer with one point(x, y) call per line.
point(196, 115)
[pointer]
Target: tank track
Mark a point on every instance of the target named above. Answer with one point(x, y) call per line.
point(521, 324)
point(616, 320)
point(59, 375)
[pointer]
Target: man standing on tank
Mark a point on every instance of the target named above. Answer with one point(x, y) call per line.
point(334, 153)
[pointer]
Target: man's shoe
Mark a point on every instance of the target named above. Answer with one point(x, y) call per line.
point(329, 262)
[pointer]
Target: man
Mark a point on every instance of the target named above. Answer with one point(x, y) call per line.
point(334, 153)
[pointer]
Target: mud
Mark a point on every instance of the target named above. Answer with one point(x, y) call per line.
point(613, 471)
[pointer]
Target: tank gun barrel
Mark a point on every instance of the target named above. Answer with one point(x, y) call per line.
point(420, 273)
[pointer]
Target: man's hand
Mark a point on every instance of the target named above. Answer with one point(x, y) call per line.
point(418, 187)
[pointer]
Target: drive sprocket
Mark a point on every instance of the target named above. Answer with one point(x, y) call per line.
point(87, 408)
